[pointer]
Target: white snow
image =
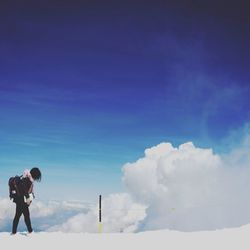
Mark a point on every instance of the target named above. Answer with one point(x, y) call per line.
point(234, 238)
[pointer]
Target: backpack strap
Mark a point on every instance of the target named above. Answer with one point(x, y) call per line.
point(16, 185)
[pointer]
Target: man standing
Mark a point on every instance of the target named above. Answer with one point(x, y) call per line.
point(22, 195)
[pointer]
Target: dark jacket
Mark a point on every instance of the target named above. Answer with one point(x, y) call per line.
point(25, 187)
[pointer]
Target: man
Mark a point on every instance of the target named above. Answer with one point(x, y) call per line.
point(23, 195)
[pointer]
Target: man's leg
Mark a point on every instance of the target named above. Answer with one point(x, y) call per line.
point(26, 214)
point(17, 217)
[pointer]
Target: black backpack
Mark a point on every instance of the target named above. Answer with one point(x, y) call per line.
point(14, 190)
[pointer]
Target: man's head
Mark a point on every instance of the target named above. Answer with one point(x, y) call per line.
point(36, 174)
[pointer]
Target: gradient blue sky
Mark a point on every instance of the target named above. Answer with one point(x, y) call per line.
point(85, 86)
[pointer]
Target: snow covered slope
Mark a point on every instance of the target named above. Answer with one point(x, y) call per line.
point(235, 238)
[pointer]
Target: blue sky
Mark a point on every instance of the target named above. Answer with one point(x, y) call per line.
point(86, 87)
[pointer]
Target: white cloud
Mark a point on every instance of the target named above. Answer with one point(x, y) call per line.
point(120, 214)
point(189, 188)
point(184, 188)
point(6, 212)
point(43, 214)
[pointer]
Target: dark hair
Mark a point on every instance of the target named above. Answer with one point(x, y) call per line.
point(36, 174)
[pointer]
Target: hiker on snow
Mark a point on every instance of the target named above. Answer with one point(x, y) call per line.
point(21, 191)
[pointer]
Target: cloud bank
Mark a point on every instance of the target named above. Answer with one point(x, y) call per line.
point(189, 188)
point(44, 214)
point(120, 214)
point(184, 188)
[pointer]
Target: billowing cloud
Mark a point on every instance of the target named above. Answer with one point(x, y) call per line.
point(43, 214)
point(189, 188)
point(120, 214)
point(6, 212)
point(183, 188)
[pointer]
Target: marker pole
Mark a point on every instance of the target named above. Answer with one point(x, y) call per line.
point(100, 214)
